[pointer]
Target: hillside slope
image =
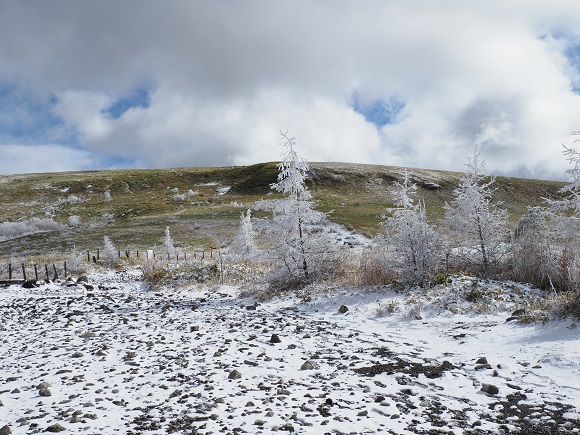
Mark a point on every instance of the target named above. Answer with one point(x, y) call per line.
point(202, 205)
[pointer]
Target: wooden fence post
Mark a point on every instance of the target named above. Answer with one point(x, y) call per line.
point(55, 271)
point(98, 254)
point(35, 272)
point(65, 269)
point(9, 270)
point(88, 256)
point(23, 272)
point(46, 270)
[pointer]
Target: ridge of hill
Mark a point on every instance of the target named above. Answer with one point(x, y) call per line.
point(202, 205)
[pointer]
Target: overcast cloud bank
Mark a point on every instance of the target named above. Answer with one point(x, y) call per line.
point(192, 83)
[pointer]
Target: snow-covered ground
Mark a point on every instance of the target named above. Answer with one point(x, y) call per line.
point(110, 357)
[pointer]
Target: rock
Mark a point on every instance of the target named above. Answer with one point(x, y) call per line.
point(275, 339)
point(489, 389)
point(29, 284)
point(431, 186)
point(519, 312)
point(259, 422)
point(130, 356)
point(234, 374)
point(44, 392)
point(82, 278)
point(343, 309)
point(77, 355)
point(5, 430)
point(194, 328)
point(483, 367)
point(55, 428)
point(307, 366)
point(482, 360)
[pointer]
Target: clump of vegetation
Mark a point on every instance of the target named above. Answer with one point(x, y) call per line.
point(390, 307)
point(160, 273)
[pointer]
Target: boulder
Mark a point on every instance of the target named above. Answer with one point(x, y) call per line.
point(489, 389)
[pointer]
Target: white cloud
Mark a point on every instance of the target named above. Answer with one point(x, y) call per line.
point(225, 76)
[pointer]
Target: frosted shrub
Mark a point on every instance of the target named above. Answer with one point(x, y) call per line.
point(75, 262)
point(169, 249)
point(108, 196)
point(478, 225)
point(110, 254)
point(74, 221)
point(416, 244)
point(243, 246)
point(12, 230)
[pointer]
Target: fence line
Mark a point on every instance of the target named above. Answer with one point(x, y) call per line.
point(150, 254)
point(21, 273)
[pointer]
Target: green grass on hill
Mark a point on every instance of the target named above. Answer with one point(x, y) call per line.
point(144, 202)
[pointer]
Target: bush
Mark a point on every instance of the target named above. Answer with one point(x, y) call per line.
point(374, 270)
point(13, 230)
point(161, 273)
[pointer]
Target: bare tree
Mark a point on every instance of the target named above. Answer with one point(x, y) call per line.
point(478, 224)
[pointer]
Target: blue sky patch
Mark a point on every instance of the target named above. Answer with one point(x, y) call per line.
point(139, 97)
point(27, 118)
point(571, 52)
point(380, 112)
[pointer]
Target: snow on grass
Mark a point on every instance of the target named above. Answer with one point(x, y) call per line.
point(118, 358)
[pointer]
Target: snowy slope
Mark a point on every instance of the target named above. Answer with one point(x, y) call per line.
point(116, 358)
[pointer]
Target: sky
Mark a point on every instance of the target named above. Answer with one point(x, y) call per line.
point(416, 83)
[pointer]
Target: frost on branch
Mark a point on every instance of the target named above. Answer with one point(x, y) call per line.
point(416, 244)
point(572, 190)
point(293, 216)
point(477, 224)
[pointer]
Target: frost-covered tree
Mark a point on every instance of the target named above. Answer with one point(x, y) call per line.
point(110, 253)
point(293, 242)
point(478, 224)
point(533, 247)
point(243, 245)
point(567, 213)
point(572, 190)
point(169, 249)
point(415, 242)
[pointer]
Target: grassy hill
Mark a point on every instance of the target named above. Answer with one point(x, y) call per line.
point(202, 205)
